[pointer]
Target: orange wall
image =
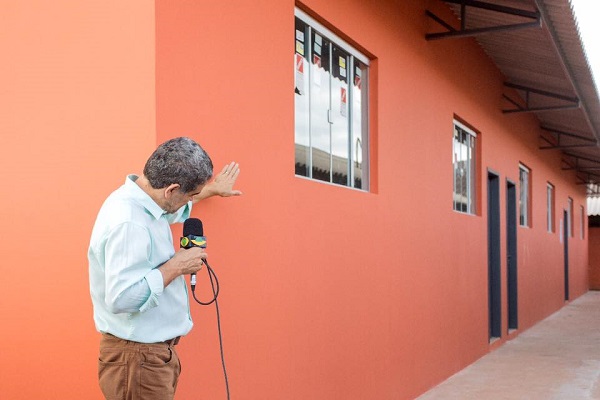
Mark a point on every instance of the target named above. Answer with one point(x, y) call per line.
point(77, 113)
point(326, 292)
point(335, 293)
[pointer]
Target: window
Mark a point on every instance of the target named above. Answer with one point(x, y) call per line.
point(524, 216)
point(550, 207)
point(463, 159)
point(570, 217)
point(331, 107)
point(582, 230)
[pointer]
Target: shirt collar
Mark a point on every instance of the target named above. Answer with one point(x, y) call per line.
point(142, 197)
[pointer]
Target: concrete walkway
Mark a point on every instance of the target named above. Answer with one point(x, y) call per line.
point(557, 359)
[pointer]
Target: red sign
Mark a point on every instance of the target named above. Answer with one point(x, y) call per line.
point(357, 81)
point(299, 63)
point(317, 60)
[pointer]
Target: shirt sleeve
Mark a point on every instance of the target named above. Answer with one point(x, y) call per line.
point(132, 284)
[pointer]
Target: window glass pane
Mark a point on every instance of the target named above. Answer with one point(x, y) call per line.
point(464, 153)
point(455, 167)
point(582, 229)
point(319, 105)
point(550, 208)
point(340, 139)
point(521, 211)
point(301, 117)
point(523, 197)
point(548, 204)
point(472, 163)
point(461, 192)
point(582, 226)
point(464, 170)
point(360, 140)
point(467, 155)
point(570, 217)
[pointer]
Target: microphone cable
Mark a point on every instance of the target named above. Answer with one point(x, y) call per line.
point(214, 283)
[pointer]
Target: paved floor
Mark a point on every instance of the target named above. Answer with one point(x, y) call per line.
point(557, 359)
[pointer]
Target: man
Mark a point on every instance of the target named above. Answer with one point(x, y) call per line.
point(137, 279)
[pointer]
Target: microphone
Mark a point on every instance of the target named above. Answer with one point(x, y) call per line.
point(193, 236)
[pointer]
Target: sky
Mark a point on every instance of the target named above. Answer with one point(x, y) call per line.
point(587, 13)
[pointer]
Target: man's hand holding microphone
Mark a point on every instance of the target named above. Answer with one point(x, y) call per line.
point(184, 262)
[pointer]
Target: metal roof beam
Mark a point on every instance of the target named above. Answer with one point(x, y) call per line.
point(464, 32)
point(480, 31)
point(540, 109)
point(579, 169)
point(590, 177)
point(586, 169)
point(559, 135)
point(566, 146)
point(519, 107)
point(544, 93)
point(569, 134)
point(570, 166)
point(587, 181)
point(577, 157)
point(497, 8)
point(573, 102)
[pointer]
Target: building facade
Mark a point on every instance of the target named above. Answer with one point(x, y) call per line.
point(395, 225)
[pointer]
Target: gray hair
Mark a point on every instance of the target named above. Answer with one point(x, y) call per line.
point(180, 160)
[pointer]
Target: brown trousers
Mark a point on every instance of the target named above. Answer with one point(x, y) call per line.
point(137, 371)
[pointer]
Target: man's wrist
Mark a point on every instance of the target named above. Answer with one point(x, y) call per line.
point(169, 272)
point(207, 191)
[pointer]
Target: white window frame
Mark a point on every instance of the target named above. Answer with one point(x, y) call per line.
point(550, 207)
point(582, 229)
point(471, 168)
point(352, 158)
point(330, 35)
point(570, 216)
point(524, 201)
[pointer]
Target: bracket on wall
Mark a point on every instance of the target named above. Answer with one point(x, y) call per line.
point(557, 135)
point(535, 20)
point(585, 170)
point(569, 103)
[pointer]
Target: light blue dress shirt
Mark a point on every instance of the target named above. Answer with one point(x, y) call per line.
point(130, 239)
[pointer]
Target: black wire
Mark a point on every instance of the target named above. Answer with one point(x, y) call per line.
point(215, 289)
point(211, 274)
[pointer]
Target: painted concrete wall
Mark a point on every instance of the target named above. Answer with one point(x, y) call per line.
point(326, 292)
point(329, 292)
point(77, 113)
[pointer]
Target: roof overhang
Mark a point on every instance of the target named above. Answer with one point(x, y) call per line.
point(537, 46)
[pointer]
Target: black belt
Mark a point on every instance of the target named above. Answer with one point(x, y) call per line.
point(173, 342)
point(170, 342)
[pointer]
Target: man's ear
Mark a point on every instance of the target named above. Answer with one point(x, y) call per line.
point(170, 189)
